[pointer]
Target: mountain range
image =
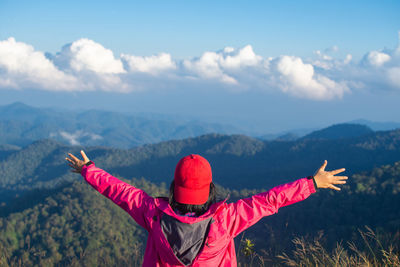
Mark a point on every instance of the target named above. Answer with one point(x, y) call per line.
point(20, 125)
point(50, 217)
point(238, 161)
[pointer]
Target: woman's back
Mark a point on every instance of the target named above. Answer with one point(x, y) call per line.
point(204, 238)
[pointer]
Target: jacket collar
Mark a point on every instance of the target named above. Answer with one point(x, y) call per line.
point(163, 205)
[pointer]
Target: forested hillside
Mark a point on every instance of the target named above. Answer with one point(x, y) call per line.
point(237, 161)
point(72, 226)
point(75, 226)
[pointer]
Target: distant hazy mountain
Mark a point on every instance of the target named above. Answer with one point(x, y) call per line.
point(338, 131)
point(289, 135)
point(378, 126)
point(294, 134)
point(21, 125)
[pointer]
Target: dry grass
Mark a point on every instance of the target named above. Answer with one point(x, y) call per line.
point(374, 251)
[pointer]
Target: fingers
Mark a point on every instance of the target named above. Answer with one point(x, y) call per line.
point(340, 179)
point(70, 160)
point(322, 168)
point(334, 187)
point(337, 171)
point(73, 166)
point(339, 182)
point(85, 158)
point(75, 159)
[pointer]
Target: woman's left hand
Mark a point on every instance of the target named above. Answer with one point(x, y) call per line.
point(75, 163)
point(327, 179)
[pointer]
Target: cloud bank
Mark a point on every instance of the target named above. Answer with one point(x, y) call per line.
point(85, 65)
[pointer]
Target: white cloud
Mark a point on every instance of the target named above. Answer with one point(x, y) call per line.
point(87, 65)
point(378, 70)
point(82, 65)
point(242, 58)
point(208, 67)
point(93, 65)
point(70, 137)
point(328, 62)
point(152, 65)
point(23, 67)
point(220, 65)
point(299, 79)
point(377, 59)
point(85, 54)
point(348, 59)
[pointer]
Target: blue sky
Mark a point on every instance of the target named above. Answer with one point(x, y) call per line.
point(267, 65)
point(188, 28)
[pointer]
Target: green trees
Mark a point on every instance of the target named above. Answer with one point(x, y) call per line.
point(74, 225)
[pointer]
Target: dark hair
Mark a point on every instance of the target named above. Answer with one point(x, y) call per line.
point(197, 209)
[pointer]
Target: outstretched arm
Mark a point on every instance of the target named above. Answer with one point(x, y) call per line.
point(133, 200)
point(246, 212)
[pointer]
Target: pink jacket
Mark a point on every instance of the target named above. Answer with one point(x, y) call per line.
point(176, 240)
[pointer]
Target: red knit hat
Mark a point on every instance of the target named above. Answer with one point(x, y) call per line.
point(192, 180)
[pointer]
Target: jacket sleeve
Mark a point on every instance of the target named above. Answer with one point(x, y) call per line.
point(246, 212)
point(133, 200)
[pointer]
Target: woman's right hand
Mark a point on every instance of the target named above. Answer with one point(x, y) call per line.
point(327, 179)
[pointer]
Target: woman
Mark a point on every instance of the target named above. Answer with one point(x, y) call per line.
point(190, 227)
